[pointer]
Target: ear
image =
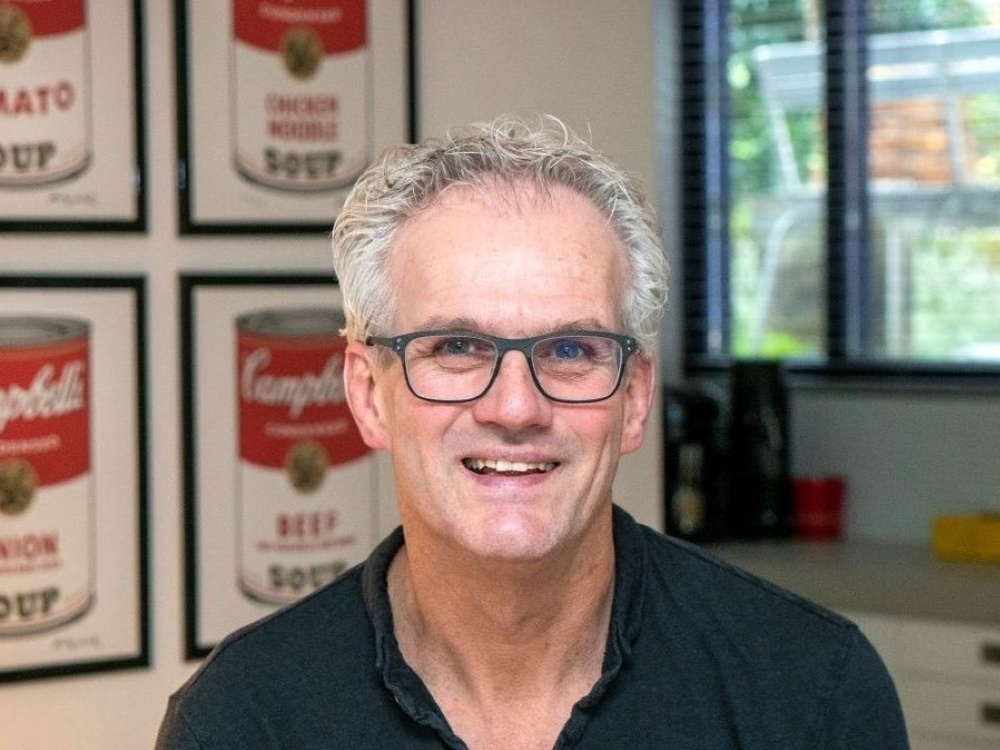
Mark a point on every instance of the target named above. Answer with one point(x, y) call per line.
point(639, 390)
point(364, 395)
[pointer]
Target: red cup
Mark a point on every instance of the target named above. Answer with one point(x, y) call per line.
point(819, 506)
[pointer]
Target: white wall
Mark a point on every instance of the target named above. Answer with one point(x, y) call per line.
point(591, 63)
point(907, 456)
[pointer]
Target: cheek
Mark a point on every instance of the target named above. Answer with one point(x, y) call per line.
point(418, 429)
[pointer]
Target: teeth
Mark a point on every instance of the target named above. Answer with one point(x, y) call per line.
point(506, 467)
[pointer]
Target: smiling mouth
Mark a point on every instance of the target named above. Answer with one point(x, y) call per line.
point(506, 468)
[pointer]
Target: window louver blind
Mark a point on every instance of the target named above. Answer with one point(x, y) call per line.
point(841, 178)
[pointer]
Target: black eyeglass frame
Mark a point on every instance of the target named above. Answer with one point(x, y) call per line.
point(398, 344)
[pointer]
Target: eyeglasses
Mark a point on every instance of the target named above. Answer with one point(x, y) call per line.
point(453, 366)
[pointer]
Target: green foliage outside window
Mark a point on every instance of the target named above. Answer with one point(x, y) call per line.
point(950, 256)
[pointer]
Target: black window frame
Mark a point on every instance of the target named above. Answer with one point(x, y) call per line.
point(704, 204)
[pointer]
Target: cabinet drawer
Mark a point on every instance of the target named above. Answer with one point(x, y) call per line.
point(951, 650)
point(962, 711)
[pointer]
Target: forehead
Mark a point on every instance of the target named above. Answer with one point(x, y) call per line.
point(517, 262)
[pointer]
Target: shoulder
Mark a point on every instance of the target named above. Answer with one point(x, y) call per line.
point(712, 612)
point(254, 673)
point(681, 571)
point(785, 664)
point(326, 617)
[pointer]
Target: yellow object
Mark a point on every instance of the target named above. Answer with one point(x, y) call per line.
point(973, 538)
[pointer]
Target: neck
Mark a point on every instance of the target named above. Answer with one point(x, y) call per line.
point(492, 628)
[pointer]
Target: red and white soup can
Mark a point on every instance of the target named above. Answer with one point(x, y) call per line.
point(46, 490)
point(303, 509)
point(301, 110)
point(45, 128)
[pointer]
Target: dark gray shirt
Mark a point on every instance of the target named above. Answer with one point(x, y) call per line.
point(699, 655)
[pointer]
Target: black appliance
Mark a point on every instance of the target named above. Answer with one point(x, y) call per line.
point(694, 463)
point(760, 497)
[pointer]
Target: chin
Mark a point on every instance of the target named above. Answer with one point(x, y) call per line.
point(514, 540)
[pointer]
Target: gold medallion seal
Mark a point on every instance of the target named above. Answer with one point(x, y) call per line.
point(18, 482)
point(301, 51)
point(305, 465)
point(15, 34)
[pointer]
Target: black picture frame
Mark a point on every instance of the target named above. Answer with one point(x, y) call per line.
point(78, 163)
point(85, 531)
point(217, 502)
point(224, 184)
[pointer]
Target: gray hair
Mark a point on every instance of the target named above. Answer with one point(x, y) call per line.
point(498, 157)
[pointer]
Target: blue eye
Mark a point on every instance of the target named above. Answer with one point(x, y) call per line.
point(468, 349)
point(454, 346)
point(568, 349)
point(458, 346)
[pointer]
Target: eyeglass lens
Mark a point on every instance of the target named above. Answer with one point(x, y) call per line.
point(461, 367)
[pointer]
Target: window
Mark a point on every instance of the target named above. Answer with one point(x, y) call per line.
point(841, 183)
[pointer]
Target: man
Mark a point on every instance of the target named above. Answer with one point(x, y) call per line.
point(502, 290)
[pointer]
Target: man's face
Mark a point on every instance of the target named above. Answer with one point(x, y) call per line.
point(473, 263)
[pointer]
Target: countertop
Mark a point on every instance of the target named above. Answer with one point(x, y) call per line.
point(875, 577)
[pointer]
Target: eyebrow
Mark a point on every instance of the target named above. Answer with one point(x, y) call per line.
point(470, 325)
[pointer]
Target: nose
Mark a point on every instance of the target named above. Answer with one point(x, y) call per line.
point(513, 400)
